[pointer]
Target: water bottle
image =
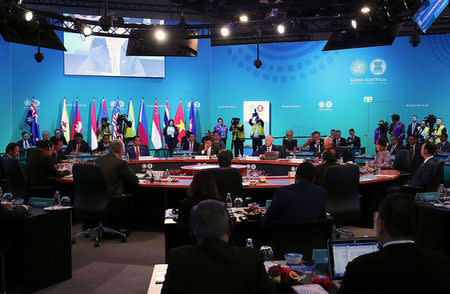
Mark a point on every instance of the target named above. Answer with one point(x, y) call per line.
point(341, 160)
point(238, 202)
point(249, 243)
point(127, 156)
point(441, 190)
point(229, 201)
point(56, 199)
point(166, 174)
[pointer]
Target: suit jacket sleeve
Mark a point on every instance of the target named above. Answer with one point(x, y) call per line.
point(8, 215)
point(173, 278)
point(130, 179)
point(353, 280)
point(258, 152)
point(263, 282)
point(423, 175)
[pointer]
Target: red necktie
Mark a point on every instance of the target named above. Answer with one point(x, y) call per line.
point(78, 148)
point(190, 147)
point(137, 152)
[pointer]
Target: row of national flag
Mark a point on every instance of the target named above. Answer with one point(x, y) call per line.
point(142, 128)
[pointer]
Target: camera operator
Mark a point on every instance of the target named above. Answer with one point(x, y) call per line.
point(257, 132)
point(397, 128)
point(122, 123)
point(104, 129)
point(424, 132)
point(381, 131)
point(238, 138)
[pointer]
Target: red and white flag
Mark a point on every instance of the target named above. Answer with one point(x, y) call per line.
point(77, 126)
point(156, 130)
point(94, 141)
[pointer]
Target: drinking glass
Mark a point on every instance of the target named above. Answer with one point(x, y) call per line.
point(266, 252)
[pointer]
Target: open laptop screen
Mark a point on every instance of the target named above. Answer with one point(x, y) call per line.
point(343, 251)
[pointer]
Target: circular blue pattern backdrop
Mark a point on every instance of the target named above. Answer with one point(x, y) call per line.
point(283, 62)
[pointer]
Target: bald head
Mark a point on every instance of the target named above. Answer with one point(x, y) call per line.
point(269, 141)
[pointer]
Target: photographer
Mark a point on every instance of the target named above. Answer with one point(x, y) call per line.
point(238, 138)
point(440, 129)
point(103, 129)
point(424, 132)
point(122, 124)
point(381, 131)
point(257, 132)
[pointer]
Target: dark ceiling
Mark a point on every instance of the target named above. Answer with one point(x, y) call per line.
point(305, 20)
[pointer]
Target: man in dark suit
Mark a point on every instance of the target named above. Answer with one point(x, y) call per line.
point(12, 150)
point(212, 265)
point(425, 172)
point(58, 135)
point(57, 155)
point(395, 145)
point(208, 148)
point(267, 147)
point(9, 213)
point(40, 169)
point(25, 143)
point(444, 145)
point(191, 145)
point(400, 267)
point(338, 141)
point(137, 149)
point(228, 179)
point(353, 140)
point(299, 202)
point(78, 145)
point(316, 145)
point(413, 128)
point(414, 151)
point(328, 159)
point(119, 177)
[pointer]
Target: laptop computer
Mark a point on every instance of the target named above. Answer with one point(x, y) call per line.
point(342, 251)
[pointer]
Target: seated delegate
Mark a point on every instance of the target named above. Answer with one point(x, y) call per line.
point(299, 202)
point(191, 145)
point(383, 157)
point(328, 159)
point(78, 145)
point(267, 147)
point(289, 142)
point(212, 265)
point(424, 174)
point(400, 267)
point(136, 150)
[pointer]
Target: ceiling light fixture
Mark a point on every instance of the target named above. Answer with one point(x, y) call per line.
point(365, 9)
point(160, 34)
point(354, 24)
point(28, 16)
point(243, 18)
point(281, 29)
point(225, 31)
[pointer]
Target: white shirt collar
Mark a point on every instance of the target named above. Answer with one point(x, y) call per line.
point(398, 242)
point(427, 159)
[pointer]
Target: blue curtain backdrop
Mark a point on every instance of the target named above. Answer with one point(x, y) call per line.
point(308, 89)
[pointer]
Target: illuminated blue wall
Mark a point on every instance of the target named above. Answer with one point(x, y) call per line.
point(308, 89)
point(5, 96)
point(299, 79)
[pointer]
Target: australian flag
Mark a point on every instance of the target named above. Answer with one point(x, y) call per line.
point(33, 122)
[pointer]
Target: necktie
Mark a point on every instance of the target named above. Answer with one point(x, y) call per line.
point(191, 148)
point(26, 144)
point(137, 152)
point(269, 149)
point(78, 148)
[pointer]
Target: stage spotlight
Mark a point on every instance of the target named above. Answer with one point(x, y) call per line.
point(354, 24)
point(28, 16)
point(39, 56)
point(365, 9)
point(160, 35)
point(281, 29)
point(225, 31)
point(243, 18)
point(87, 31)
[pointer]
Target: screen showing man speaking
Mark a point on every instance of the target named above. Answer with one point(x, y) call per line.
point(106, 56)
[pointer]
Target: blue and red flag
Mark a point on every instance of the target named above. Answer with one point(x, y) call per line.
point(142, 127)
point(33, 122)
point(192, 128)
point(116, 113)
point(103, 113)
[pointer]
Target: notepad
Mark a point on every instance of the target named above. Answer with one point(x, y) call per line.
point(309, 289)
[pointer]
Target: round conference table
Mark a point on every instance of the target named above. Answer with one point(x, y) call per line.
point(272, 182)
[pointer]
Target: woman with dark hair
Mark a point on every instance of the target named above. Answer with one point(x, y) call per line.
point(383, 157)
point(171, 136)
point(203, 187)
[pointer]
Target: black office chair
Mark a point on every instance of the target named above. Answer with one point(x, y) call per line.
point(300, 238)
point(92, 198)
point(402, 161)
point(12, 171)
point(347, 154)
point(282, 153)
point(228, 180)
point(161, 153)
point(342, 183)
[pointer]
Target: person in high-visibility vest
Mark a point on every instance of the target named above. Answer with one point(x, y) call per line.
point(257, 132)
point(238, 138)
point(440, 129)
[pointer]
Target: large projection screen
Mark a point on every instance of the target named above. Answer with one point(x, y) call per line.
point(105, 56)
